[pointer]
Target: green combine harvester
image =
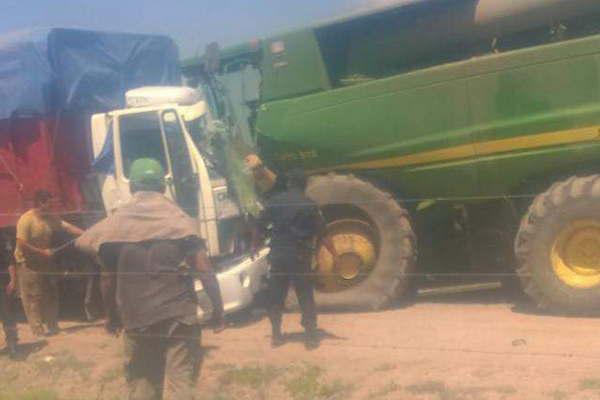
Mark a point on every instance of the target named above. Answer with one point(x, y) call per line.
point(464, 131)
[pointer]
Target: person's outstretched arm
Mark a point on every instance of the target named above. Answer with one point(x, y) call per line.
point(322, 235)
point(71, 229)
point(202, 265)
point(264, 177)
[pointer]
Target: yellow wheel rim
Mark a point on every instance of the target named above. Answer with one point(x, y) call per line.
point(575, 255)
point(357, 250)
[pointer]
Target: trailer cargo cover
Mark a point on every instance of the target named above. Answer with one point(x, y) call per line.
point(59, 70)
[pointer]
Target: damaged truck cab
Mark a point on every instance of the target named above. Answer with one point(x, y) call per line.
point(173, 126)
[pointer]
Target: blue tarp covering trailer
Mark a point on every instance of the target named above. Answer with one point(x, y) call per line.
point(61, 70)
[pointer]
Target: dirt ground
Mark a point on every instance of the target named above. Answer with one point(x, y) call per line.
point(463, 347)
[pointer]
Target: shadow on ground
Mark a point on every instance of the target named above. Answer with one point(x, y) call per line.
point(247, 317)
point(529, 308)
point(482, 296)
point(207, 350)
point(27, 349)
point(512, 296)
point(300, 337)
point(81, 327)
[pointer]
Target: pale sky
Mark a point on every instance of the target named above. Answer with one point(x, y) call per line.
point(191, 23)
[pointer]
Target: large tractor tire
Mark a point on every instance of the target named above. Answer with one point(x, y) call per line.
point(558, 246)
point(376, 244)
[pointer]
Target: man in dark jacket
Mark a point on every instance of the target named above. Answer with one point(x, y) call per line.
point(148, 290)
point(8, 290)
point(297, 225)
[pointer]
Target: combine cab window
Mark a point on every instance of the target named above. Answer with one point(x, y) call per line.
point(428, 34)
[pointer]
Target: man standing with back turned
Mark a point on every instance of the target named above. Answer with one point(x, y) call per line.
point(148, 290)
point(296, 223)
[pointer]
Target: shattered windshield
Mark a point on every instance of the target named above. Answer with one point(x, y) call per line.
point(224, 151)
point(238, 90)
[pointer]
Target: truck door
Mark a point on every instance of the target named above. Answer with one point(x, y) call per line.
point(184, 178)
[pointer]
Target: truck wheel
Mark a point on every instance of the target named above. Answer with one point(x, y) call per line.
point(558, 246)
point(374, 239)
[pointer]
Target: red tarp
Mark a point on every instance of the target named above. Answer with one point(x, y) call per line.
point(42, 153)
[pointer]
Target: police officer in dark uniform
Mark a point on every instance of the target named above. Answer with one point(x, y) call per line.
point(8, 290)
point(297, 225)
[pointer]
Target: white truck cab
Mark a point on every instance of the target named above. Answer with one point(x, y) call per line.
point(155, 125)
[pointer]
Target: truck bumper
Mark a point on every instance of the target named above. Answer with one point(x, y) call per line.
point(239, 283)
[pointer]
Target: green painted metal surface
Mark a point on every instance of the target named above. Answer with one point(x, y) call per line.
point(432, 104)
point(292, 66)
point(325, 105)
point(543, 89)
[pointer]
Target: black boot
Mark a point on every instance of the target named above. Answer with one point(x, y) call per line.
point(53, 329)
point(311, 339)
point(277, 338)
point(12, 349)
point(12, 338)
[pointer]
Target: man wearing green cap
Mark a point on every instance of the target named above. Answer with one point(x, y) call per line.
point(150, 250)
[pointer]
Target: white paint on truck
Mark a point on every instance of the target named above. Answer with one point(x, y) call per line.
point(155, 120)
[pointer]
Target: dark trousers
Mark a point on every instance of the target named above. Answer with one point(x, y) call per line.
point(7, 315)
point(92, 290)
point(294, 269)
point(162, 361)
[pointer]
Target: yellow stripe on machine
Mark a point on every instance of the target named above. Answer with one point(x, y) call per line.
point(570, 136)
